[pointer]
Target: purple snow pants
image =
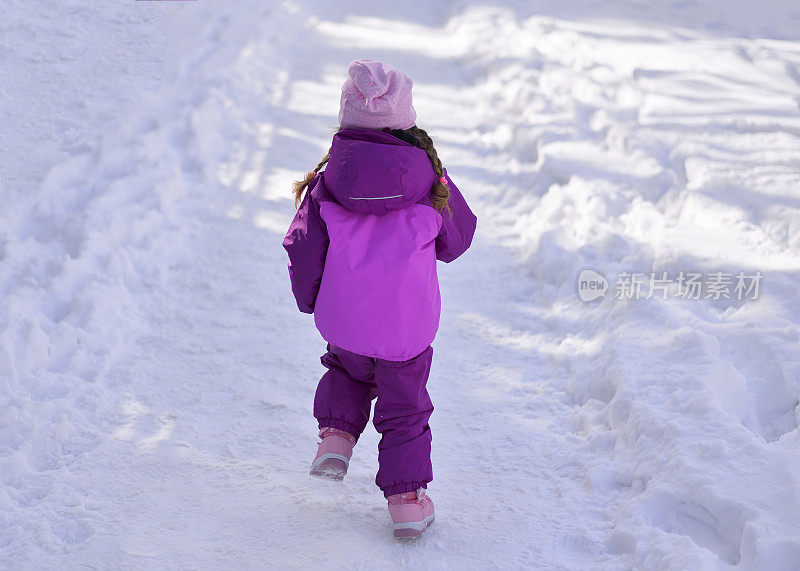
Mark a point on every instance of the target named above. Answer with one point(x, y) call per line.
point(402, 411)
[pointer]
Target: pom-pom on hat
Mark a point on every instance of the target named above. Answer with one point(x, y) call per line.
point(376, 95)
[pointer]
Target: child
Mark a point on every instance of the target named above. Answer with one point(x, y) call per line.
point(362, 258)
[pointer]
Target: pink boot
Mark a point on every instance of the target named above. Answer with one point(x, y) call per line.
point(333, 455)
point(411, 513)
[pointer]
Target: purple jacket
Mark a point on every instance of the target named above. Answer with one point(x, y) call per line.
point(364, 243)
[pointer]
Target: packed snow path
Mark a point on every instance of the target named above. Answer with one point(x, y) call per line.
point(156, 380)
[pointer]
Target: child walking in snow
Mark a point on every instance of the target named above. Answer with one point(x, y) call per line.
point(362, 258)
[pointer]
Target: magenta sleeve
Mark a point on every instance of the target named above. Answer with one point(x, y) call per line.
point(306, 242)
point(457, 229)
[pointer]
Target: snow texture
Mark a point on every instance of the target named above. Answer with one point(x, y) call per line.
point(156, 379)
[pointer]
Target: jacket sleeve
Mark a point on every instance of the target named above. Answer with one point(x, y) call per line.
point(306, 242)
point(457, 230)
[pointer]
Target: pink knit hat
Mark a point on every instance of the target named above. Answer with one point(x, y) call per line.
point(376, 95)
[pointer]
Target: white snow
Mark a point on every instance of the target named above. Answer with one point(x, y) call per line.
point(156, 379)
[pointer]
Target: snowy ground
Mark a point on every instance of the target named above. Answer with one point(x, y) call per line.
point(156, 380)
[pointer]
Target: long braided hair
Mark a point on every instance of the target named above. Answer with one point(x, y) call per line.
point(440, 194)
point(300, 185)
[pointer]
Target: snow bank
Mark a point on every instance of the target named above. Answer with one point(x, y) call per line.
point(664, 149)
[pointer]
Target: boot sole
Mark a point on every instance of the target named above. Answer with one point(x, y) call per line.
point(330, 467)
point(412, 529)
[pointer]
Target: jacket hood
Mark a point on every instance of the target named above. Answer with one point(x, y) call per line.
point(372, 171)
